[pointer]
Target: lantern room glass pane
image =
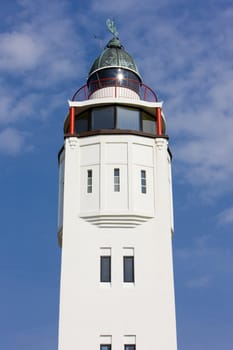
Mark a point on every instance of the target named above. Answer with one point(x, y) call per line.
point(128, 118)
point(148, 123)
point(113, 77)
point(103, 118)
point(81, 123)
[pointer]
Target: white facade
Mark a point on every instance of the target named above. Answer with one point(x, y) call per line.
point(115, 210)
point(119, 223)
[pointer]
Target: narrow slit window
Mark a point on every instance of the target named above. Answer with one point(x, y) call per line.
point(130, 347)
point(143, 181)
point(128, 268)
point(105, 346)
point(105, 268)
point(89, 181)
point(116, 180)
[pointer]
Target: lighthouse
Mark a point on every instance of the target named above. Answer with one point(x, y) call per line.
point(115, 224)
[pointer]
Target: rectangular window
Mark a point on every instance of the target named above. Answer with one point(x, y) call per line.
point(89, 181)
point(143, 181)
point(81, 123)
point(105, 268)
point(116, 180)
point(128, 262)
point(103, 118)
point(128, 118)
point(105, 346)
point(130, 347)
point(148, 123)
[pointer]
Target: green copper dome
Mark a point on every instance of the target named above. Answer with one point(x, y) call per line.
point(114, 55)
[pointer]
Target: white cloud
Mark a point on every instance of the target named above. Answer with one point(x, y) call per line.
point(19, 51)
point(5, 103)
point(205, 261)
point(13, 141)
point(41, 52)
point(15, 107)
point(125, 7)
point(44, 40)
point(226, 217)
point(200, 250)
point(199, 282)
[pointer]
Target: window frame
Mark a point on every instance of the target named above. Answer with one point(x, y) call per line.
point(107, 108)
point(89, 181)
point(126, 278)
point(89, 112)
point(109, 346)
point(131, 346)
point(116, 174)
point(143, 181)
point(103, 279)
point(128, 118)
point(144, 116)
point(83, 116)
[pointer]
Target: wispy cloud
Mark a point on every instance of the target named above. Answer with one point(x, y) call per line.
point(204, 261)
point(42, 337)
point(42, 47)
point(19, 51)
point(13, 141)
point(226, 217)
point(41, 52)
point(199, 282)
point(126, 7)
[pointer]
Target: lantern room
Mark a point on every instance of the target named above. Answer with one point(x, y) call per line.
point(115, 99)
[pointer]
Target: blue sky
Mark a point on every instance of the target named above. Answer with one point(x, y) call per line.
point(184, 51)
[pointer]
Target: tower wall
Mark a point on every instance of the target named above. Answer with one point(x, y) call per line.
point(118, 224)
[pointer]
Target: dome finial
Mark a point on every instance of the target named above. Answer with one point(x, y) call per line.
point(112, 27)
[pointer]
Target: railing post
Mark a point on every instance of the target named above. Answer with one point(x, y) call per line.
point(72, 120)
point(159, 121)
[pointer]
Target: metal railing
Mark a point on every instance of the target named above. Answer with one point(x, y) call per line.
point(143, 91)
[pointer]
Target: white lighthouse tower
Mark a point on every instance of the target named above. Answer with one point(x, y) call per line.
point(115, 213)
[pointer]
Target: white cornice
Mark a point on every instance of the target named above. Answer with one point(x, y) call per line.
point(110, 100)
